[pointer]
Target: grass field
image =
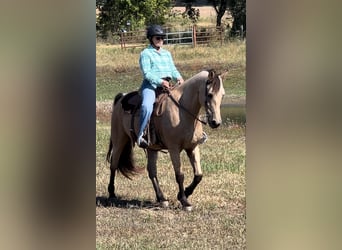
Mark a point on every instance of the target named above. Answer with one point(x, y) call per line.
point(117, 70)
point(135, 221)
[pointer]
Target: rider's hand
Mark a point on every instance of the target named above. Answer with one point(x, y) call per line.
point(166, 84)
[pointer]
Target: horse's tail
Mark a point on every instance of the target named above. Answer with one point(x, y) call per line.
point(127, 165)
point(110, 149)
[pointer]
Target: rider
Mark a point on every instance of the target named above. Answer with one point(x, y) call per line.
point(156, 65)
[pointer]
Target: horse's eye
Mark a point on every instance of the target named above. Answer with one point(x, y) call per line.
point(210, 96)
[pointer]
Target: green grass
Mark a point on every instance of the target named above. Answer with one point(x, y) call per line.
point(107, 87)
point(117, 70)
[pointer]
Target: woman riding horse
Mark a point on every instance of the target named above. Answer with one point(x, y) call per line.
point(156, 65)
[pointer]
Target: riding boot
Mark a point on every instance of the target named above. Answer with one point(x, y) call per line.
point(142, 142)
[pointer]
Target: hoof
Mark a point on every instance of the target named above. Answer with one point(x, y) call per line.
point(164, 204)
point(187, 208)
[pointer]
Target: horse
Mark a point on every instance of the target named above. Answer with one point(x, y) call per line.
point(178, 127)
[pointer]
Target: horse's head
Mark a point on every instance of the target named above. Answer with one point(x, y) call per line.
point(214, 93)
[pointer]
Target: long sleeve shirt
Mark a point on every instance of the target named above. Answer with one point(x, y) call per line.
point(157, 65)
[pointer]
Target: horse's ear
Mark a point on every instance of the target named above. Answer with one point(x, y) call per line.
point(224, 74)
point(211, 75)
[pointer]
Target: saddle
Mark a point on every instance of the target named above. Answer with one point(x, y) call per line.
point(131, 103)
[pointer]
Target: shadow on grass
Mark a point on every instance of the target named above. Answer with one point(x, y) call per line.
point(118, 202)
point(102, 201)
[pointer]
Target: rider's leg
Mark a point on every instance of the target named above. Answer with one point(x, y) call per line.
point(148, 98)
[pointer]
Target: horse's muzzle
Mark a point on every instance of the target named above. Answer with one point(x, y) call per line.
point(214, 123)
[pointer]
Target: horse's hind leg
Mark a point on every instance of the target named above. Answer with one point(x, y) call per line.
point(113, 168)
point(152, 174)
point(194, 157)
point(111, 187)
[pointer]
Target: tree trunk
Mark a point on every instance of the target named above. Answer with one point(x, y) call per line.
point(220, 11)
point(219, 18)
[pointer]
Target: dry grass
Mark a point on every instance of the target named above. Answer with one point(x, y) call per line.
point(126, 60)
point(218, 221)
point(134, 221)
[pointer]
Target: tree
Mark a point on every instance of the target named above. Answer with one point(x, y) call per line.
point(116, 15)
point(192, 13)
point(220, 7)
point(238, 10)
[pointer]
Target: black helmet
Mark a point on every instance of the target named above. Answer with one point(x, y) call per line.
point(155, 30)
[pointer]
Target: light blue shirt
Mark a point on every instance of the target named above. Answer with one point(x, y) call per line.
point(157, 65)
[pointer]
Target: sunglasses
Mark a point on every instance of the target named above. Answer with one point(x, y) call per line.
point(158, 38)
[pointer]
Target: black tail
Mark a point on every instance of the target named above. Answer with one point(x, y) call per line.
point(126, 164)
point(109, 153)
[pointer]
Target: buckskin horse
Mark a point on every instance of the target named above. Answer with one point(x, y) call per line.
point(177, 126)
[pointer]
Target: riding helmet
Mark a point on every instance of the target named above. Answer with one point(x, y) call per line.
point(155, 30)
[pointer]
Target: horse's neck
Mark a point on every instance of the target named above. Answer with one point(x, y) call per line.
point(187, 96)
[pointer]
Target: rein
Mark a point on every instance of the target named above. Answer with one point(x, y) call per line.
point(185, 109)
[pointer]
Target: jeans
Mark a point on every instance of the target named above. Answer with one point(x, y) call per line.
point(148, 99)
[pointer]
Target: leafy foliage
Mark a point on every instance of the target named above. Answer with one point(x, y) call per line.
point(120, 15)
point(220, 7)
point(191, 12)
point(238, 10)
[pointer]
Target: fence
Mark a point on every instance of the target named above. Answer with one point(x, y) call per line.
point(191, 36)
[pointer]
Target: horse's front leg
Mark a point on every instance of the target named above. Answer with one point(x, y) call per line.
point(194, 157)
point(175, 158)
point(152, 174)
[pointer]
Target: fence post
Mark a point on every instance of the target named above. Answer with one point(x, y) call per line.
point(194, 39)
point(122, 40)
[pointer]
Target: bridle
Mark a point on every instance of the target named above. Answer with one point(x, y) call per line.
point(206, 104)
